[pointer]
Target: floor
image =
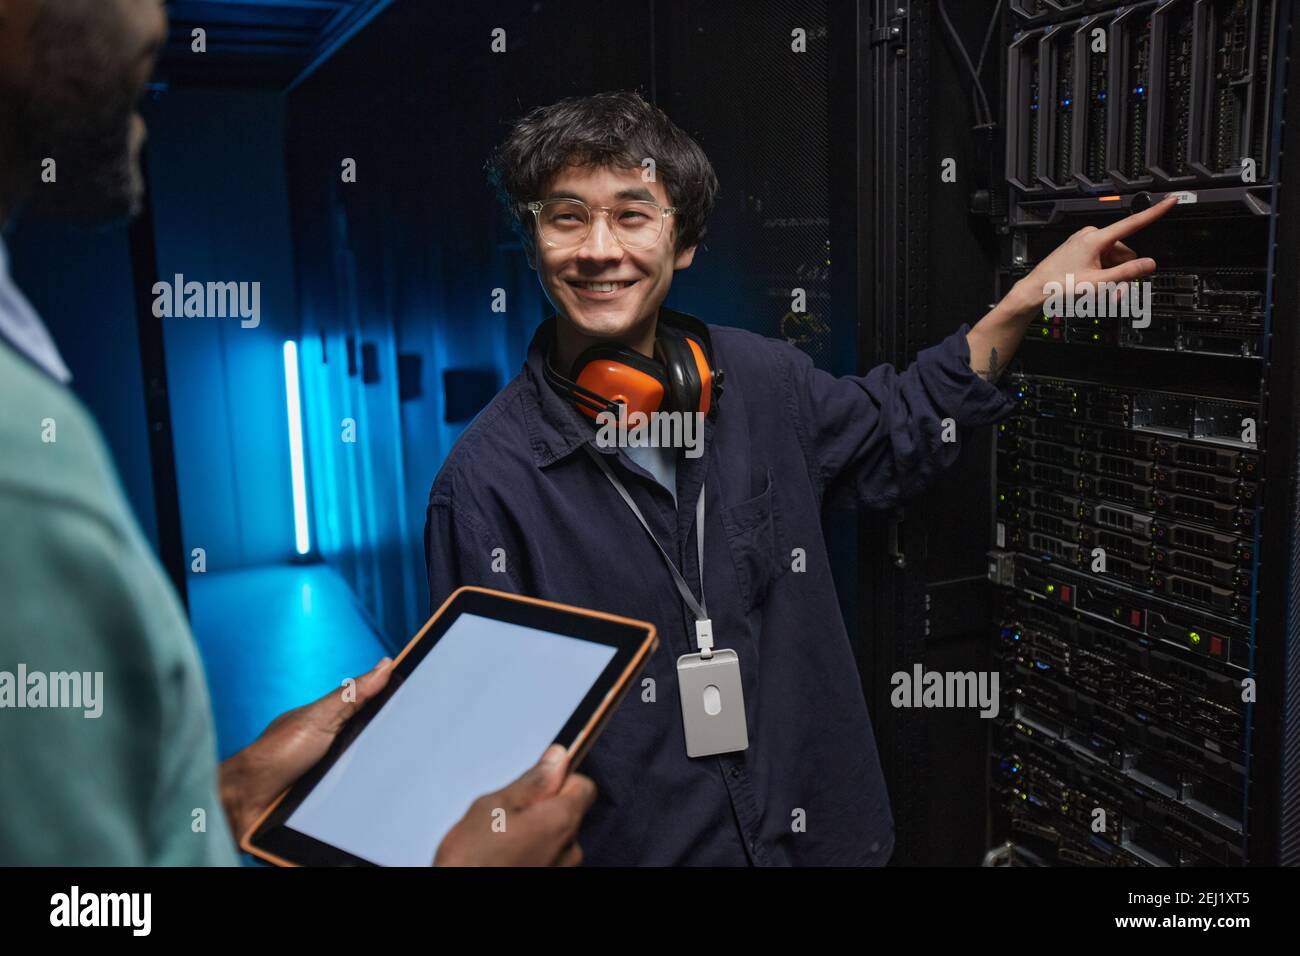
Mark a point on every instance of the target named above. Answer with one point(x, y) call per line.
point(274, 638)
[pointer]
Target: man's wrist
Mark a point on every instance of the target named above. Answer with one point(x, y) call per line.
point(1011, 314)
point(231, 790)
point(1023, 302)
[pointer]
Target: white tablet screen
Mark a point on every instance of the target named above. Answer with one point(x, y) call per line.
point(478, 711)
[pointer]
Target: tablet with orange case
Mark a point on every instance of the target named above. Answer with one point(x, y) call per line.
point(353, 821)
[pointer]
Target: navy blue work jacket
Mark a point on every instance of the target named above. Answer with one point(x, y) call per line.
point(784, 437)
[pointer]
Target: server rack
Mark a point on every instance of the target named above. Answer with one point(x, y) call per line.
point(1169, 448)
point(1144, 556)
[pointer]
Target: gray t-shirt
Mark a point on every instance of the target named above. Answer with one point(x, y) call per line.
point(660, 462)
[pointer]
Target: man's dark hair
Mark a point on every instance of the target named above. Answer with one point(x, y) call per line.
point(619, 130)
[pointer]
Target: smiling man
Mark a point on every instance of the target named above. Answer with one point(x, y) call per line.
point(610, 287)
point(751, 718)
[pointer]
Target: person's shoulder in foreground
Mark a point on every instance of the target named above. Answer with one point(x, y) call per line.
point(105, 728)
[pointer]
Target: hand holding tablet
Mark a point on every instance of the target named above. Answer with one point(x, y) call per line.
point(485, 687)
point(545, 808)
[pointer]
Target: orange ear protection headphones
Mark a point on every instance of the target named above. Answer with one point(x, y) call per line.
point(681, 378)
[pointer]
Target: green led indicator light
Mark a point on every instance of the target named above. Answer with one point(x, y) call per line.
point(1195, 637)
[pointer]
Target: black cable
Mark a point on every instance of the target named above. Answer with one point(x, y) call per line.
point(961, 48)
point(988, 35)
point(984, 49)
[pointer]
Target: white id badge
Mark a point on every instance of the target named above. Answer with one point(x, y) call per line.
point(713, 704)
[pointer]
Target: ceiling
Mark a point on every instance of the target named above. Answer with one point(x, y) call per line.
point(257, 43)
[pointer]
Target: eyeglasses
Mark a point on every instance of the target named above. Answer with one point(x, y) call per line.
point(566, 223)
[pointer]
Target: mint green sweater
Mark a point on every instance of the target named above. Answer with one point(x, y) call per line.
point(80, 590)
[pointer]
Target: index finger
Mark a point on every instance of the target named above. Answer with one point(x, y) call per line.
point(1136, 222)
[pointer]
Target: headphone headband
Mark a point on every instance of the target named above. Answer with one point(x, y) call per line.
point(575, 392)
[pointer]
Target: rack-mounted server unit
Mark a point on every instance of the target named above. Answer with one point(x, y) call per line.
point(1144, 558)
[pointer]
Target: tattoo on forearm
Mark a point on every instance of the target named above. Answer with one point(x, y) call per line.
point(991, 373)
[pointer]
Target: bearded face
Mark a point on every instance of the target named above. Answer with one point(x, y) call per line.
point(74, 105)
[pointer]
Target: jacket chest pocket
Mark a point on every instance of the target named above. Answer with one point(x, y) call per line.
point(755, 539)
